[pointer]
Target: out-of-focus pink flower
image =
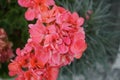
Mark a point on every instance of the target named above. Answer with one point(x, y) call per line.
point(5, 47)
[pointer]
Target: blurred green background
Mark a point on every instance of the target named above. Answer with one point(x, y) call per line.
point(102, 35)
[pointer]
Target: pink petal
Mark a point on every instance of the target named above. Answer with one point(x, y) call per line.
point(80, 22)
point(14, 68)
point(48, 40)
point(66, 26)
point(63, 48)
point(18, 51)
point(24, 3)
point(42, 55)
point(50, 2)
point(53, 73)
point(55, 59)
point(52, 29)
point(37, 32)
point(67, 40)
point(78, 47)
point(75, 16)
point(30, 14)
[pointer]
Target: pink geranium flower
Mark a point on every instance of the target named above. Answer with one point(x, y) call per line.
point(55, 40)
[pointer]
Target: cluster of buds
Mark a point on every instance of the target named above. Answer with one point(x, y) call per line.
point(5, 47)
point(88, 14)
point(55, 40)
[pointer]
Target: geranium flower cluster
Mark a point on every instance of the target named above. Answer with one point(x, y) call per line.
point(5, 47)
point(55, 40)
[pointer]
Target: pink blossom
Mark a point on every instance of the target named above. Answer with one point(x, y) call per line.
point(35, 7)
point(55, 40)
point(37, 32)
